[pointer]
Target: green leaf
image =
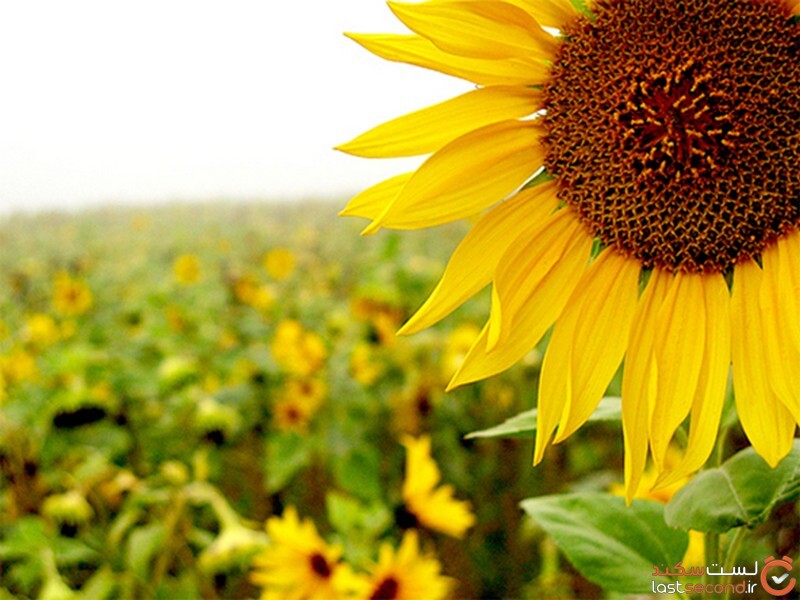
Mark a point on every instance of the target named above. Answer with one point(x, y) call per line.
point(743, 491)
point(143, 545)
point(343, 511)
point(612, 545)
point(348, 515)
point(358, 472)
point(286, 454)
point(101, 585)
point(524, 424)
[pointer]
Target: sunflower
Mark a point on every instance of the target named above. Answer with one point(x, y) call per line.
point(298, 351)
point(407, 574)
point(279, 263)
point(187, 269)
point(637, 181)
point(71, 297)
point(424, 503)
point(299, 564)
point(297, 402)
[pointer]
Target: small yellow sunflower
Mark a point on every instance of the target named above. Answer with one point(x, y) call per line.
point(407, 574)
point(187, 269)
point(71, 297)
point(41, 330)
point(299, 564)
point(297, 403)
point(424, 503)
point(638, 183)
point(279, 263)
point(18, 365)
point(365, 367)
point(298, 351)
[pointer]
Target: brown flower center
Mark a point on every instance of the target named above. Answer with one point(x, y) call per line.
point(673, 128)
point(320, 565)
point(388, 589)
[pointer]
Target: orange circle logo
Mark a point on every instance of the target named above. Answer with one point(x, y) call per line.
point(785, 566)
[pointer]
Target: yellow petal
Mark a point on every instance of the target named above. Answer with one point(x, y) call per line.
point(766, 421)
point(788, 249)
point(679, 344)
point(550, 13)
point(523, 268)
point(587, 346)
point(416, 50)
point(533, 320)
point(639, 380)
point(709, 397)
point(599, 332)
point(371, 203)
point(468, 175)
point(477, 29)
point(475, 259)
point(429, 129)
point(779, 321)
point(422, 473)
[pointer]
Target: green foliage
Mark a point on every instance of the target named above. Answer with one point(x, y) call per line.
point(164, 424)
point(612, 545)
point(286, 454)
point(741, 493)
point(145, 442)
point(524, 424)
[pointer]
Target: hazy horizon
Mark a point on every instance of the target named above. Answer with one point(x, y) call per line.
point(187, 100)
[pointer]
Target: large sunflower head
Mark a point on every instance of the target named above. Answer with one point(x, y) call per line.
point(634, 164)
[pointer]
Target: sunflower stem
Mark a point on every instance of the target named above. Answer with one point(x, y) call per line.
point(722, 440)
point(732, 554)
point(712, 553)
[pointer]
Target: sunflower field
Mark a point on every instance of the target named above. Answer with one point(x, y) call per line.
point(210, 401)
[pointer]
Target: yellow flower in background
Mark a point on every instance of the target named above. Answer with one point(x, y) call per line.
point(262, 298)
point(364, 366)
point(297, 403)
point(381, 314)
point(299, 564)
point(187, 269)
point(458, 344)
point(414, 404)
point(407, 574)
point(435, 508)
point(279, 263)
point(71, 297)
point(243, 288)
point(297, 350)
point(670, 156)
point(41, 330)
point(385, 324)
point(18, 365)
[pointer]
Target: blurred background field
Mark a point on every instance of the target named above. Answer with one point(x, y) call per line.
point(172, 377)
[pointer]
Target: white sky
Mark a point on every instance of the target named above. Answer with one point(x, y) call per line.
point(106, 101)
